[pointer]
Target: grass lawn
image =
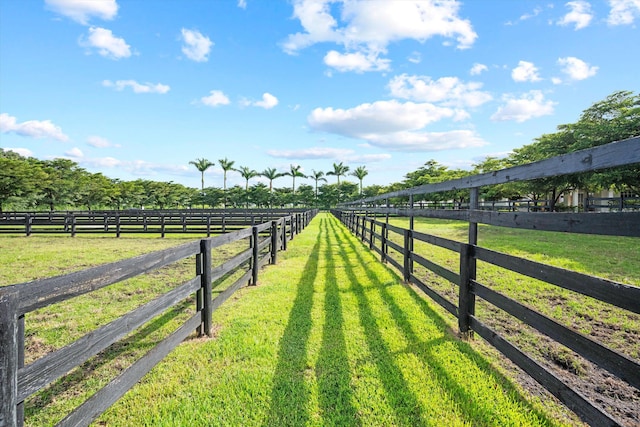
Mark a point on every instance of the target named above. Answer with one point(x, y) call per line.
point(329, 337)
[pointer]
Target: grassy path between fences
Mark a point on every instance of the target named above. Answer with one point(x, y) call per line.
point(329, 337)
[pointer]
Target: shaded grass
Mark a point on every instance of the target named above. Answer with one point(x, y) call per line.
point(329, 337)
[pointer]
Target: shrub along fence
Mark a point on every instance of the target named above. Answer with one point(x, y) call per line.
point(18, 382)
point(397, 248)
point(200, 221)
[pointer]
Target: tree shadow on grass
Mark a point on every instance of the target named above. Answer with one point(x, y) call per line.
point(472, 410)
point(332, 369)
point(290, 393)
point(402, 400)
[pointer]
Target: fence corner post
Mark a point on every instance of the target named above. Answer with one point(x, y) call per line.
point(254, 256)
point(205, 280)
point(466, 299)
point(9, 360)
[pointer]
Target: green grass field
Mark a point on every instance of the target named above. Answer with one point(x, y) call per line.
point(329, 337)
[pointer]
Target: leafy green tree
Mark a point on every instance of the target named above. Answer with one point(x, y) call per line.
point(213, 196)
point(339, 170)
point(282, 197)
point(360, 172)
point(19, 177)
point(259, 195)
point(497, 192)
point(305, 195)
point(60, 184)
point(94, 190)
point(236, 196)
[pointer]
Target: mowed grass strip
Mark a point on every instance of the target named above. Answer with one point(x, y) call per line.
point(329, 337)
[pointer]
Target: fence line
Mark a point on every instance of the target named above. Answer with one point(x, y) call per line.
point(624, 296)
point(362, 218)
point(208, 221)
point(18, 382)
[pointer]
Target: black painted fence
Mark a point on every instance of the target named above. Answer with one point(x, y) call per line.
point(397, 249)
point(18, 382)
point(196, 221)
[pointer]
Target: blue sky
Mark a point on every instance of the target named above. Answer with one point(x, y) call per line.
point(137, 89)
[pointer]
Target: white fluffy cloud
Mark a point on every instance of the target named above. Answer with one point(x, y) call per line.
point(576, 69)
point(24, 152)
point(393, 125)
point(448, 91)
point(75, 153)
point(340, 154)
point(137, 87)
point(525, 72)
point(580, 14)
point(31, 128)
point(82, 10)
point(365, 28)
point(528, 106)
point(196, 45)
point(623, 12)
point(356, 61)
point(268, 101)
point(477, 69)
point(215, 98)
point(100, 142)
point(106, 43)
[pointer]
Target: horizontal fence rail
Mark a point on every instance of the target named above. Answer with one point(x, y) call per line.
point(375, 233)
point(368, 219)
point(18, 382)
point(195, 221)
point(620, 153)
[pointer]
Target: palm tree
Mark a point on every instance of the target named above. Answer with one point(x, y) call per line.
point(295, 171)
point(247, 174)
point(202, 165)
point(339, 170)
point(271, 174)
point(360, 172)
point(317, 176)
point(226, 166)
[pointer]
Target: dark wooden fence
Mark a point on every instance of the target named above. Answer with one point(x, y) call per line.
point(196, 221)
point(396, 246)
point(18, 382)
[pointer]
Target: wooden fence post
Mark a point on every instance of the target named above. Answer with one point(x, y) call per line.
point(407, 255)
point(28, 220)
point(274, 241)
point(254, 257)
point(466, 299)
point(383, 243)
point(371, 231)
point(283, 233)
point(205, 280)
point(9, 359)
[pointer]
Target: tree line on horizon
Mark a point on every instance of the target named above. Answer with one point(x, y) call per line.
point(27, 183)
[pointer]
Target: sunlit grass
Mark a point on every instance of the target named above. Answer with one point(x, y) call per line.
point(329, 337)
